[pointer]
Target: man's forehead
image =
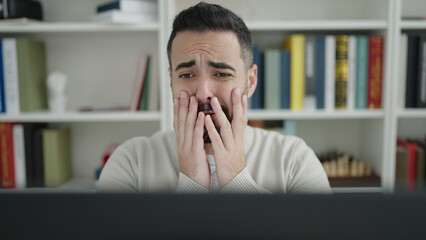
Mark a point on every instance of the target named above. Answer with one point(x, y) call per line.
point(213, 46)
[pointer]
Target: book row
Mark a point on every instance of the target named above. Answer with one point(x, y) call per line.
point(412, 78)
point(34, 155)
point(410, 165)
point(22, 75)
point(320, 72)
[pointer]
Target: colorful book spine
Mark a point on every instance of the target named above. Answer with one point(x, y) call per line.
point(2, 96)
point(19, 155)
point(285, 79)
point(296, 45)
point(412, 163)
point(257, 97)
point(330, 72)
point(319, 71)
point(31, 60)
point(341, 71)
point(56, 156)
point(375, 68)
point(272, 79)
point(421, 82)
point(361, 72)
point(350, 92)
point(412, 71)
point(309, 100)
point(10, 61)
point(7, 158)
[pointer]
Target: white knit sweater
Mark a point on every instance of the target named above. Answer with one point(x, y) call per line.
point(275, 163)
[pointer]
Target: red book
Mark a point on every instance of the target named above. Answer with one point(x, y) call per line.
point(412, 163)
point(375, 68)
point(7, 156)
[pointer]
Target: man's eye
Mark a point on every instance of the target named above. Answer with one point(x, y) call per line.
point(223, 75)
point(186, 75)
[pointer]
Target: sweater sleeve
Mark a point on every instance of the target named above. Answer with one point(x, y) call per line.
point(187, 185)
point(118, 175)
point(243, 183)
point(307, 174)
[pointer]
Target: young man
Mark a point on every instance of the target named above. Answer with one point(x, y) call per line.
point(212, 149)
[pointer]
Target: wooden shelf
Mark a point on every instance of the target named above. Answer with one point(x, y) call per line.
point(314, 114)
point(317, 25)
point(124, 116)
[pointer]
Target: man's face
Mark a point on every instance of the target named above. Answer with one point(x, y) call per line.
point(208, 65)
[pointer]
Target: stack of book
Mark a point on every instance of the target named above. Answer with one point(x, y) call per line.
point(22, 75)
point(33, 155)
point(127, 11)
point(410, 165)
point(412, 84)
point(320, 72)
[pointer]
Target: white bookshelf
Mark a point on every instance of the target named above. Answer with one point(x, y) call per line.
point(95, 54)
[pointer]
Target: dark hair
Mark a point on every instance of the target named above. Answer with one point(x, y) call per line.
point(211, 17)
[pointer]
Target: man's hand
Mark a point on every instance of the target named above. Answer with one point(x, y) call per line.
point(228, 147)
point(189, 131)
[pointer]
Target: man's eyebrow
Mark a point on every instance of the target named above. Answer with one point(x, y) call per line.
point(220, 65)
point(185, 65)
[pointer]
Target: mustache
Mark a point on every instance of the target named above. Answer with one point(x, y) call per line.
point(206, 107)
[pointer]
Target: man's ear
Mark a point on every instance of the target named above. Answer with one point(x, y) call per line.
point(252, 80)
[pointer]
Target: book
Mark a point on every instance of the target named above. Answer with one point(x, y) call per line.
point(412, 71)
point(319, 71)
point(285, 79)
point(10, 70)
point(421, 165)
point(296, 45)
point(401, 169)
point(153, 89)
point(32, 75)
point(257, 97)
point(272, 83)
point(375, 68)
point(133, 6)
point(403, 49)
point(350, 92)
point(421, 80)
point(330, 72)
point(19, 156)
point(56, 156)
point(290, 127)
point(138, 83)
point(341, 71)
point(116, 16)
point(361, 80)
point(310, 72)
point(411, 147)
point(7, 158)
point(2, 93)
point(32, 175)
point(38, 159)
point(143, 105)
point(24, 75)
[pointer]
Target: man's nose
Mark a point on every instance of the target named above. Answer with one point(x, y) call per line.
point(205, 89)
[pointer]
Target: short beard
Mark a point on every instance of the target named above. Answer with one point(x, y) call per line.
point(204, 107)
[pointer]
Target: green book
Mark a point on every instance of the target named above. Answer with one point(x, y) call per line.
point(272, 80)
point(145, 91)
point(361, 72)
point(31, 74)
point(56, 156)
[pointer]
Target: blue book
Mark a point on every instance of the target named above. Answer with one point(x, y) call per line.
point(2, 97)
point(129, 6)
point(319, 71)
point(285, 79)
point(361, 79)
point(257, 98)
